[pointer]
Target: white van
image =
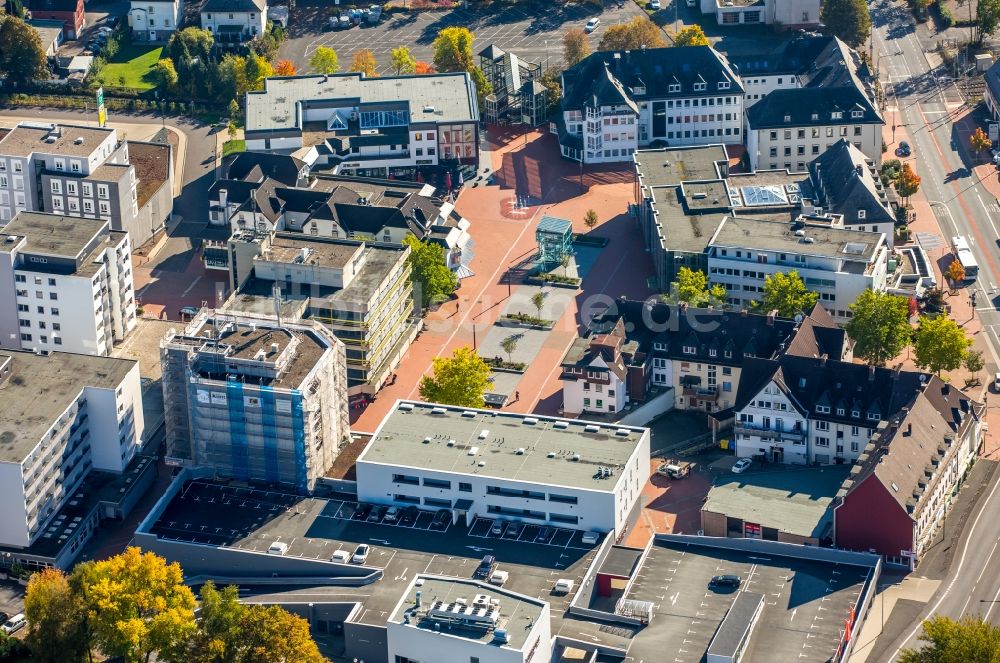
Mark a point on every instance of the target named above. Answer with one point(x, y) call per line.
point(14, 624)
point(277, 548)
point(341, 557)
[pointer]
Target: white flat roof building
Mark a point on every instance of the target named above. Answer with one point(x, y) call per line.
point(541, 470)
point(455, 619)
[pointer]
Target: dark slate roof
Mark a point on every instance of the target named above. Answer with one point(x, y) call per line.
point(992, 77)
point(792, 57)
point(734, 337)
point(608, 346)
point(835, 79)
point(846, 181)
point(222, 6)
point(819, 335)
point(609, 77)
point(493, 52)
point(281, 167)
point(811, 106)
point(52, 5)
point(855, 388)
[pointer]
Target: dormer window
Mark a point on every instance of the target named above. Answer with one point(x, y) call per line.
point(674, 87)
point(712, 352)
point(840, 411)
point(836, 115)
point(659, 346)
point(699, 87)
point(689, 349)
point(728, 354)
point(873, 416)
point(723, 85)
point(857, 113)
point(823, 409)
point(856, 413)
point(788, 118)
point(815, 116)
point(861, 213)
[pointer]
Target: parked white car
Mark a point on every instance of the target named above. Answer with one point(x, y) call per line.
point(277, 548)
point(741, 465)
point(592, 24)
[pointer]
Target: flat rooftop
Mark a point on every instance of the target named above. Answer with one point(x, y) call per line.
point(249, 518)
point(517, 447)
point(39, 388)
point(433, 98)
point(796, 501)
point(55, 234)
point(673, 165)
point(75, 141)
point(516, 612)
point(767, 235)
point(807, 603)
point(680, 231)
point(290, 249)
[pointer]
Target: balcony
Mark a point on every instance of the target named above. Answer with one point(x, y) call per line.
point(702, 393)
point(795, 435)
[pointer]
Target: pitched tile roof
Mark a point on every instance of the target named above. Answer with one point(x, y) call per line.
point(847, 183)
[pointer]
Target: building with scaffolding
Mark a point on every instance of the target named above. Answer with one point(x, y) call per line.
point(255, 398)
point(359, 291)
point(518, 97)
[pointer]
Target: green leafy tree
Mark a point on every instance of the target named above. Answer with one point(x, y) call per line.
point(136, 605)
point(576, 46)
point(987, 19)
point(552, 80)
point(939, 344)
point(257, 69)
point(538, 301)
point(265, 45)
point(431, 277)
point(402, 62)
point(234, 111)
point(590, 219)
point(692, 288)
point(637, 33)
point(786, 293)
point(324, 60)
point(233, 130)
point(57, 627)
point(453, 50)
point(190, 50)
point(974, 363)
point(508, 345)
point(969, 640)
point(880, 326)
point(847, 19)
point(483, 86)
point(365, 63)
point(461, 379)
point(22, 58)
point(164, 74)
point(692, 35)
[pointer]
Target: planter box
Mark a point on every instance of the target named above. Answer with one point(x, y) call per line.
point(586, 240)
point(499, 369)
point(513, 322)
point(539, 281)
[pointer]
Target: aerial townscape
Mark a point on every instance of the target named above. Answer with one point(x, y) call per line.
point(500, 331)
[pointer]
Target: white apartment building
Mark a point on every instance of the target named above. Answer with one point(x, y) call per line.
point(801, 101)
point(456, 619)
point(802, 410)
point(616, 102)
point(539, 470)
point(838, 264)
point(63, 416)
point(85, 172)
point(65, 284)
point(595, 373)
point(255, 400)
point(384, 127)
point(234, 21)
point(155, 20)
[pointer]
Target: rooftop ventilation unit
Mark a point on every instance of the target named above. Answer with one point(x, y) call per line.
point(551, 454)
point(483, 433)
point(260, 355)
point(622, 432)
point(451, 443)
point(561, 424)
point(519, 451)
point(406, 407)
point(439, 410)
point(530, 421)
point(481, 463)
point(427, 440)
point(591, 428)
point(468, 413)
point(575, 457)
point(274, 347)
point(473, 451)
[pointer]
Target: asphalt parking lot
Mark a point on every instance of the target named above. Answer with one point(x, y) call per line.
point(806, 604)
point(532, 32)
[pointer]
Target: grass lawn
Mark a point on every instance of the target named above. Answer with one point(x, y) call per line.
point(134, 62)
point(233, 147)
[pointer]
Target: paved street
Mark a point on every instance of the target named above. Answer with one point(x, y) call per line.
point(531, 32)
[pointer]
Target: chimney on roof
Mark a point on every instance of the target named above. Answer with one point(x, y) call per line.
point(743, 313)
point(859, 169)
point(822, 359)
point(871, 373)
point(771, 315)
point(909, 429)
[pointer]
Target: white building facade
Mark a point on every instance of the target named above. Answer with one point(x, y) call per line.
point(155, 20)
point(65, 284)
point(539, 484)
